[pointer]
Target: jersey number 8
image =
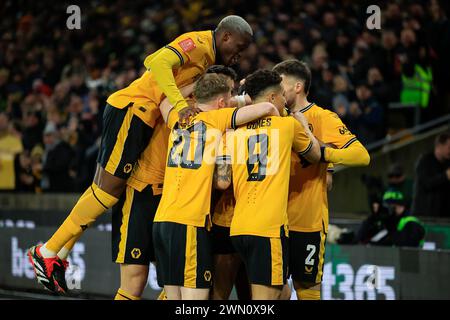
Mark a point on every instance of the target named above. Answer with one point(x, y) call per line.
point(258, 159)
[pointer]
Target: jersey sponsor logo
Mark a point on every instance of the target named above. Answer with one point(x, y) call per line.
point(207, 275)
point(343, 130)
point(127, 168)
point(136, 253)
point(187, 45)
point(358, 282)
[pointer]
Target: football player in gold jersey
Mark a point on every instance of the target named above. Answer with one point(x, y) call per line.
point(132, 216)
point(308, 204)
point(180, 228)
point(260, 154)
point(129, 119)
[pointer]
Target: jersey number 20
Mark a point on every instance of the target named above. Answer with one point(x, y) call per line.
point(179, 157)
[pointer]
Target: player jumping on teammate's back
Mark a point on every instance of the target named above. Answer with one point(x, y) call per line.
point(132, 217)
point(129, 120)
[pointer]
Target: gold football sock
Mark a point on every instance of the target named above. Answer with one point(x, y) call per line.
point(162, 295)
point(308, 294)
point(64, 252)
point(86, 210)
point(123, 295)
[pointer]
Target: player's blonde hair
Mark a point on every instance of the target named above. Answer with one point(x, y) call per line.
point(209, 86)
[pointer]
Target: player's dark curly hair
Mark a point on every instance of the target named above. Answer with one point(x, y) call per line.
point(221, 69)
point(259, 81)
point(297, 69)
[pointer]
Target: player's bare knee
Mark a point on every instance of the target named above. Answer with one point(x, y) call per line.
point(306, 285)
point(261, 292)
point(109, 183)
point(285, 292)
point(133, 278)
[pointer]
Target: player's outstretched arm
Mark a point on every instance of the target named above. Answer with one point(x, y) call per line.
point(354, 155)
point(255, 111)
point(165, 106)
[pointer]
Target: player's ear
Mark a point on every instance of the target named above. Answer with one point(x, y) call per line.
point(272, 97)
point(226, 36)
point(298, 87)
point(221, 102)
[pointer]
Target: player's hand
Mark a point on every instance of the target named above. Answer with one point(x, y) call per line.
point(248, 100)
point(301, 118)
point(329, 181)
point(186, 115)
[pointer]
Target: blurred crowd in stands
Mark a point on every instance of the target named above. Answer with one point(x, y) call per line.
point(54, 81)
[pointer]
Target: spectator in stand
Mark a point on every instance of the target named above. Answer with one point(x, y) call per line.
point(365, 117)
point(10, 145)
point(36, 166)
point(49, 73)
point(57, 162)
point(379, 87)
point(25, 180)
point(32, 132)
point(341, 98)
point(432, 183)
point(397, 180)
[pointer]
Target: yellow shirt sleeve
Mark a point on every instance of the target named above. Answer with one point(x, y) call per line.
point(353, 155)
point(172, 119)
point(334, 130)
point(225, 118)
point(161, 67)
point(174, 55)
point(302, 143)
point(350, 151)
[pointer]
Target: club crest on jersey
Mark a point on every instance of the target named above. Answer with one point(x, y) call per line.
point(311, 128)
point(187, 45)
point(200, 40)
